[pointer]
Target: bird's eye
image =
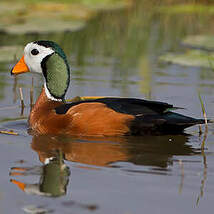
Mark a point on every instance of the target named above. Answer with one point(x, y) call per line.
point(34, 52)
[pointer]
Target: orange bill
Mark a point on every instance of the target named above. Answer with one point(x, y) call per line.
point(20, 67)
point(19, 184)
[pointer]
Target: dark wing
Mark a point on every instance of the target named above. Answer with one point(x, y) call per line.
point(131, 106)
point(150, 117)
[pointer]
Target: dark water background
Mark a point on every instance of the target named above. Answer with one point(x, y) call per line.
point(116, 54)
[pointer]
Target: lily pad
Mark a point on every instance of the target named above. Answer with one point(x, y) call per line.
point(10, 53)
point(40, 25)
point(200, 41)
point(52, 16)
point(46, 18)
point(195, 58)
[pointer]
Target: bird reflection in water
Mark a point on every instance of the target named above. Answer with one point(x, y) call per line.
point(54, 176)
point(154, 151)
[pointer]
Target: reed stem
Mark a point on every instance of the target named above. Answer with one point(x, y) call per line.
point(22, 101)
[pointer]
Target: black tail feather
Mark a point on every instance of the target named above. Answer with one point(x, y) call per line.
point(168, 123)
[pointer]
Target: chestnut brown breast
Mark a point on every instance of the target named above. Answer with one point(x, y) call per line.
point(83, 119)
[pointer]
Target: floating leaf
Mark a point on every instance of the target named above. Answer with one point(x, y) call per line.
point(11, 132)
point(196, 58)
point(200, 41)
point(40, 25)
point(50, 16)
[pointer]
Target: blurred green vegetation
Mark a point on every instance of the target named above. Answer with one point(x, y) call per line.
point(129, 40)
point(10, 53)
point(188, 9)
point(51, 16)
point(84, 2)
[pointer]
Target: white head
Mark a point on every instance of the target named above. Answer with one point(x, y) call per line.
point(47, 58)
point(34, 55)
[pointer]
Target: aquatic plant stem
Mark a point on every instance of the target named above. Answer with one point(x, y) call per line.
point(182, 176)
point(205, 119)
point(203, 179)
point(31, 94)
point(22, 101)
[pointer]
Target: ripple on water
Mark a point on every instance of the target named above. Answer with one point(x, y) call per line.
point(15, 125)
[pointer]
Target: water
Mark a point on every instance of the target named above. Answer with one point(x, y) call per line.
point(116, 54)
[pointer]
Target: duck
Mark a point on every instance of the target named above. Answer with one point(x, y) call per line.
point(104, 116)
